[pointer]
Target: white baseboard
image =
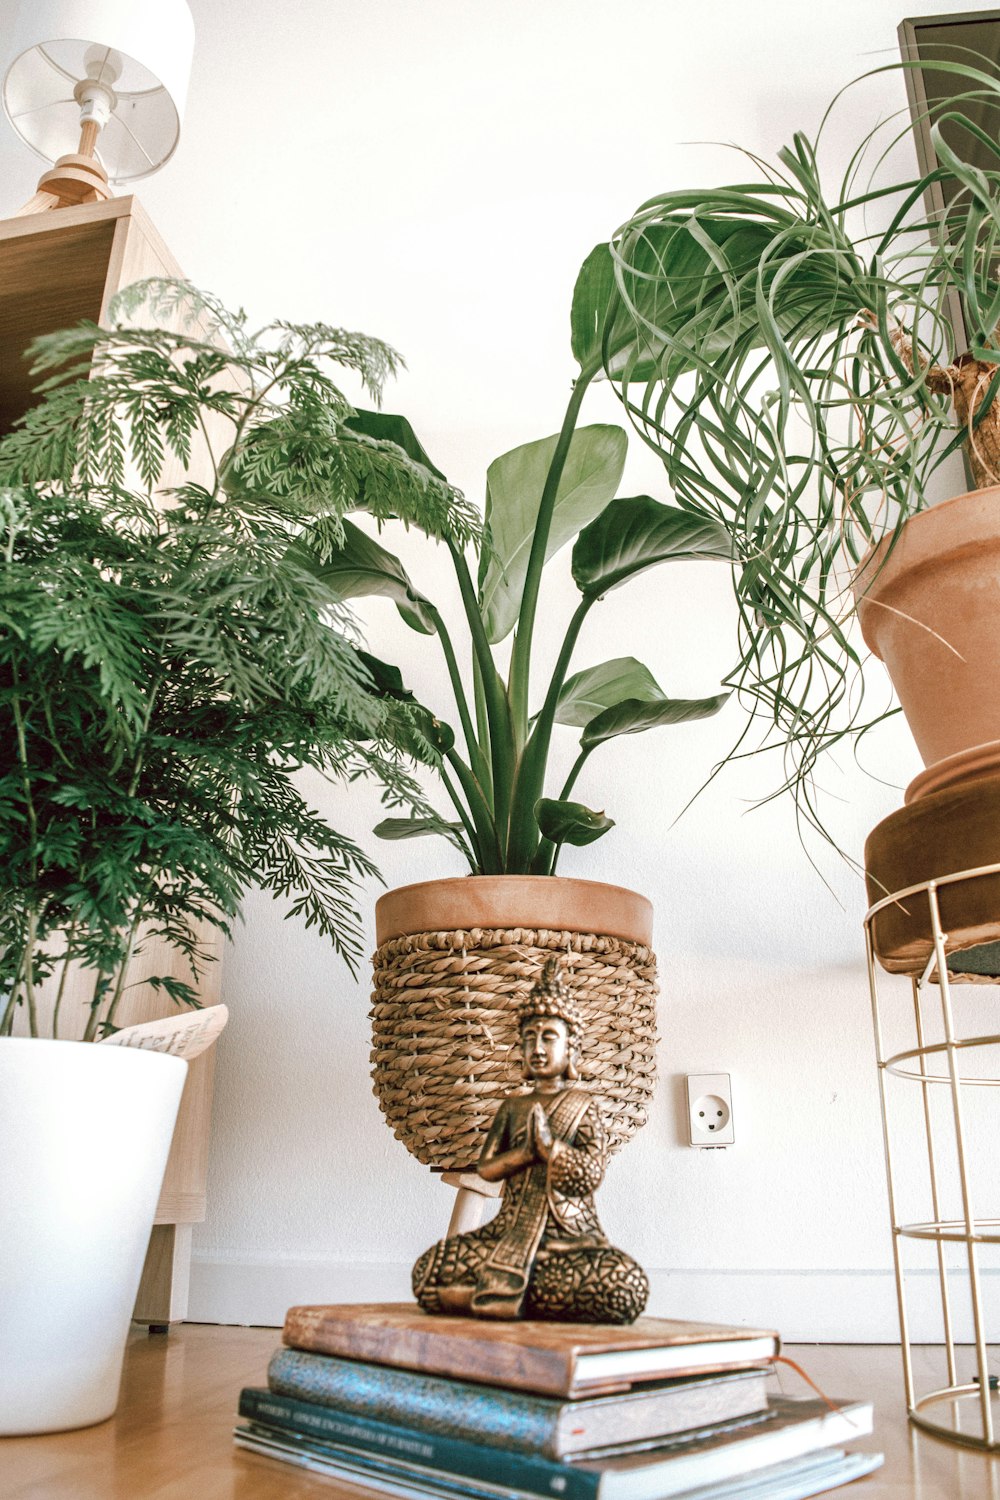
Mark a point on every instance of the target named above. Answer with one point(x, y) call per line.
point(837, 1307)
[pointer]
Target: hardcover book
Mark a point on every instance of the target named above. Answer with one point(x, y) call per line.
point(305, 1420)
point(789, 1430)
point(518, 1420)
point(557, 1359)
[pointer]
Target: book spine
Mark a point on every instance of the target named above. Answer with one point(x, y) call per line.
point(360, 1469)
point(514, 1420)
point(345, 1432)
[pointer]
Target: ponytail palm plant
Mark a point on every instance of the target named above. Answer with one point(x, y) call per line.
point(790, 351)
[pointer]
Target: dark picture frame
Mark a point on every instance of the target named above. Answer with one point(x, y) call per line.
point(960, 36)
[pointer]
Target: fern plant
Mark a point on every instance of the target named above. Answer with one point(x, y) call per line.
point(167, 665)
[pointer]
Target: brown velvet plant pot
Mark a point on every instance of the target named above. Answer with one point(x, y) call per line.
point(939, 834)
point(455, 960)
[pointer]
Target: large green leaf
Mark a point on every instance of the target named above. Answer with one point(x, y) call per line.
point(386, 428)
point(672, 278)
point(361, 568)
point(633, 534)
point(603, 328)
point(676, 274)
point(594, 295)
point(387, 680)
point(437, 733)
point(570, 822)
point(689, 281)
point(395, 829)
point(415, 731)
point(632, 716)
point(514, 485)
point(596, 688)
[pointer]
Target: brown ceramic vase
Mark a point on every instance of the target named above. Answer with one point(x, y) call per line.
point(929, 607)
point(455, 960)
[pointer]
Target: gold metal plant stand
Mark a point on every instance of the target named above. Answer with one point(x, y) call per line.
point(957, 1149)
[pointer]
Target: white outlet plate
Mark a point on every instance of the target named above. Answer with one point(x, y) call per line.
point(710, 1110)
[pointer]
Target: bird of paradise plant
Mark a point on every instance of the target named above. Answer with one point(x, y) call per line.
point(494, 762)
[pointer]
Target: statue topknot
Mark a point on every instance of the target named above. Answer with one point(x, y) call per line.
point(551, 995)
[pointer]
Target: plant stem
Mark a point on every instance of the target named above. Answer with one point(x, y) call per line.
point(472, 852)
point(7, 1024)
point(488, 844)
point(26, 975)
point(122, 969)
point(461, 702)
point(100, 989)
point(520, 664)
point(530, 776)
point(483, 728)
point(67, 961)
point(22, 757)
point(545, 857)
point(497, 707)
point(570, 782)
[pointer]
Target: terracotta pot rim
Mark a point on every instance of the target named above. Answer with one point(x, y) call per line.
point(538, 901)
point(941, 506)
point(969, 520)
point(468, 881)
point(933, 517)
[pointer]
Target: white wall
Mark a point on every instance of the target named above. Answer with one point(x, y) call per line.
point(434, 171)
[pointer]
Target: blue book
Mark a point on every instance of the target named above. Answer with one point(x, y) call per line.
point(549, 1426)
point(789, 1429)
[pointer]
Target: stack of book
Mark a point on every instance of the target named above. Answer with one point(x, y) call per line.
point(395, 1401)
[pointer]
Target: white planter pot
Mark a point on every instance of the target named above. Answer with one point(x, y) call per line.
point(85, 1133)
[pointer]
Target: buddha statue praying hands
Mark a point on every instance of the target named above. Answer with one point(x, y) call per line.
point(544, 1255)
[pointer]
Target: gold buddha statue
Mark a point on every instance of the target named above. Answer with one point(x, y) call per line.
point(545, 1254)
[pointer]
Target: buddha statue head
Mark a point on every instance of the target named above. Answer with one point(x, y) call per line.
point(551, 1027)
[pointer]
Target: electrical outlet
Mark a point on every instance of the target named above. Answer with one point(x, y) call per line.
point(710, 1109)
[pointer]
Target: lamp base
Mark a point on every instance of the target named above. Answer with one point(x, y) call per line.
point(73, 180)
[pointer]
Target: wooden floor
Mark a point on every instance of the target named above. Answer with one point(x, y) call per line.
point(171, 1439)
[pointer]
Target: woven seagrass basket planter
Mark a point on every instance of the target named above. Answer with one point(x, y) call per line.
point(456, 958)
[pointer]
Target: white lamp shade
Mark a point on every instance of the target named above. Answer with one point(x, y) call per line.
point(51, 46)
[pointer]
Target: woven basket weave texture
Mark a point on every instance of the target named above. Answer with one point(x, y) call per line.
point(445, 1040)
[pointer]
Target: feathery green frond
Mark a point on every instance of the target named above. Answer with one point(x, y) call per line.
point(167, 663)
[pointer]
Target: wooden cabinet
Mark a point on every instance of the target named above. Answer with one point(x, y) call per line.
point(57, 268)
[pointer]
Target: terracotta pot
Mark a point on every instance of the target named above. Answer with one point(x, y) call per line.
point(456, 958)
point(929, 606)
point(548, 901)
